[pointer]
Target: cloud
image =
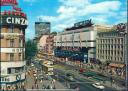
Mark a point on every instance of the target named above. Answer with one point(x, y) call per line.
point(47, 18)
point(29, 0)
point(70, 11)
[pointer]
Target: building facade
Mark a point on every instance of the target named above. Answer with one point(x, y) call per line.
point(42, 28)
point(110, 50)
point(45, 45)
point(76, 43)
point(12, 38)
point(50, 44)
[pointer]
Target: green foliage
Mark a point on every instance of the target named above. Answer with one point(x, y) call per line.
point(30, 49)
point(54, 33)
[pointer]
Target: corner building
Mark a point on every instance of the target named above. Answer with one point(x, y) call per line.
point(12, 38)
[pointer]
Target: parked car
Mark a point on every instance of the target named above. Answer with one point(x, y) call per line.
point(32, 64)
point(98, 85)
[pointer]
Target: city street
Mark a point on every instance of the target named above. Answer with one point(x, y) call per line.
point(61, 82)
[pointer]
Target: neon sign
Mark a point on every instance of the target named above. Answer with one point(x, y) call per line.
point(8, 2)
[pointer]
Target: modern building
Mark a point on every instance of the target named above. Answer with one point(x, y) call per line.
point(42, 28)
point(12, 43)
point(110, 49)
point(77, 43)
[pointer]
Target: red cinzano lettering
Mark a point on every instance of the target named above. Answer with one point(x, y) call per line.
point(8, 2)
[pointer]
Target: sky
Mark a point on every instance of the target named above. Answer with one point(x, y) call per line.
point(64, 13)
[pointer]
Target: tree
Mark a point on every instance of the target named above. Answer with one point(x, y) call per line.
point(54, 33)
point(30, 50)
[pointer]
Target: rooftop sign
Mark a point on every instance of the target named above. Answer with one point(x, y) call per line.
point(8, 2)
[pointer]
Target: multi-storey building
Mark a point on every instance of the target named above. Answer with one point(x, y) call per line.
point(50, 44)
point(110, 48)
point(12, 38)
point(42, 28)
point(76, 43)
point(45, 45)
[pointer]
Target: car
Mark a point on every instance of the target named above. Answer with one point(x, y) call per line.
point(98, 85)
point(32, 64)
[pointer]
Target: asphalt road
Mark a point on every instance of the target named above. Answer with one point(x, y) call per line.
point(83, 84)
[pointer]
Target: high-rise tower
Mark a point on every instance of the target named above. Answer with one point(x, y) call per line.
point(12, 52)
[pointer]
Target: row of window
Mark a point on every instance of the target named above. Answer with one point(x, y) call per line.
point(15, 70)
point(110, 41)
point(12, 57)
point(12, 43)
point(110, 47)
point(110, 35)
point(108, 52)
point(110, 58)
point(11, 29)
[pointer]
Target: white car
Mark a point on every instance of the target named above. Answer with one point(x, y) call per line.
point(32, 64)
point(98, 85)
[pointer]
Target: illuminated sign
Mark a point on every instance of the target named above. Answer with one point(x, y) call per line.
point(20, 21)
point(84, 23)
point(15, 20)
point(8, 2)
point(12, 36)
point(121, 27)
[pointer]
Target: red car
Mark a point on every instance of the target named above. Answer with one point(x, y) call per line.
point(82, 70)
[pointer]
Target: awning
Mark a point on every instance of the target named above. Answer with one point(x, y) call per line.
point(116, 65)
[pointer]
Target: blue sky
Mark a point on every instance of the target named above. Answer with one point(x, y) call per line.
point(63, 13)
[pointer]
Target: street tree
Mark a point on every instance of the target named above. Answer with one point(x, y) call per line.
point(30, 50)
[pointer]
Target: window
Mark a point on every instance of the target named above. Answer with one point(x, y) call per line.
point(20, 57)
point(11, 29)
point(11, 57)
point(9, 71)
point(15, 70)
point(20, 43)
point(12, 43)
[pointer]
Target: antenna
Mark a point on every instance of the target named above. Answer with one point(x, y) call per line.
point(40, 19)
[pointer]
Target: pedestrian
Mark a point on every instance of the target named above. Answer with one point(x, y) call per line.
point(32, 87)
point(77, 88)
point(54, 87)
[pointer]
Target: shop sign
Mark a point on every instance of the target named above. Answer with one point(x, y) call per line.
point(4, 79)
point(17, 50)
point(12, 36)
point(15, 20)
point(87, 23)
point(18, 77)
point(8, 2)
point(122, 27)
